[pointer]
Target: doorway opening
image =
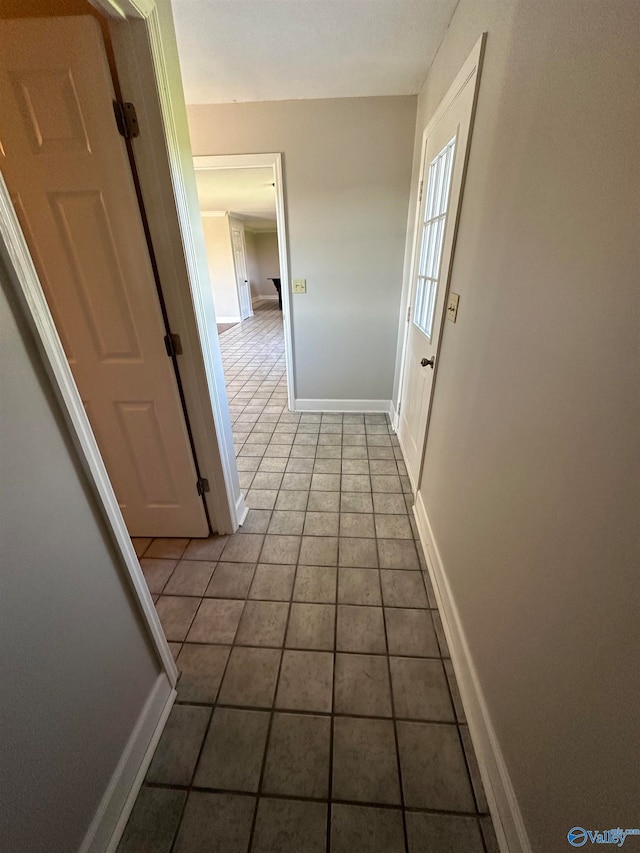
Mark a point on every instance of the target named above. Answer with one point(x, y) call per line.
point(242, 209)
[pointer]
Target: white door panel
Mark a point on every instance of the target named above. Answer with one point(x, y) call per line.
point(240, 265)
point(67, 169)
point(442, 176)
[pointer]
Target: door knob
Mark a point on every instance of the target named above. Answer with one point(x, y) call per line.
point(427, 361)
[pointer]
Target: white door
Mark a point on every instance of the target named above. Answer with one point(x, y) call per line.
point(444, 155)
point(68, 173)
point(240, 265)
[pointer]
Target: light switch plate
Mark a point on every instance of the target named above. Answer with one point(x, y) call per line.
point(452, 307)
point(299, 285)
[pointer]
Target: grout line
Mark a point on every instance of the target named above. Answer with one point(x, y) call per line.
point(182, 811)
point(333, 715)
point(305, 713)
point(213, 709)
point(271, 716)
point(298, 798)
point(393, 708)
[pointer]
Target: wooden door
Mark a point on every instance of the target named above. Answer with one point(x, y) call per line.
point(68, 173)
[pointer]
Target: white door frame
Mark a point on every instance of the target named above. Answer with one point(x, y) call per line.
point(260, 161)
point(472, 66)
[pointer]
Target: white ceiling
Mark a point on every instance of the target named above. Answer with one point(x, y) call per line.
point(249, 192)
point(272, 50)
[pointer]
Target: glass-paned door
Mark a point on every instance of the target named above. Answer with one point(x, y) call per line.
point(433, 228)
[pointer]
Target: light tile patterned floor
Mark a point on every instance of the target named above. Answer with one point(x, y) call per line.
point(317, 707)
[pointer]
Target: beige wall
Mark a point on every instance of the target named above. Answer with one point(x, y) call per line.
point(347, 164)
point(222, 276)
point(77, 663)
point(262, 262)
point(531, 472)
point(268, 262)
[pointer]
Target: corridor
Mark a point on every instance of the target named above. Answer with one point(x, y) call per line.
point(317, 708)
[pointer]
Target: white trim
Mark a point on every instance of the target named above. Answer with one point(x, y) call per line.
point(414, 485)
point(393, 416)
point(507, 819)
point(237, 319)
point(285, 283)
point(55, 360)
point(118, 800)
point(120, 10)
point(242, 510)
point(261, 298)
point(233, 161)
point(256, 161)
point(364, 406)
point(471, 66)
point(168, 187)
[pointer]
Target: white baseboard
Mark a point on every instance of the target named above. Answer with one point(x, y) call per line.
point(393, 416)
point(110, 819)
point(242, 510)
point(269, 298)
point(358, 406)
point(405, 455)
point(235, 319)
point(507, 819)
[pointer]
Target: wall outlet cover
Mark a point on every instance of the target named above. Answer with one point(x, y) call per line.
point(299, 285)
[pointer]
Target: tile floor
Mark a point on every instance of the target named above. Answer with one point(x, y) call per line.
point(317, 707)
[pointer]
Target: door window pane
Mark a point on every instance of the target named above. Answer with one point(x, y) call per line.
point(433, 228)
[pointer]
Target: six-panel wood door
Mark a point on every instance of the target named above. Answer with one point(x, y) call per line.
point(68, 173)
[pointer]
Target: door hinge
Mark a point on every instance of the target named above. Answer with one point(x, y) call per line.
point(173, 345)
point(420, 191)
point(408, 313)
point(202, 486)
point(126, 119)
point(399, 409)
